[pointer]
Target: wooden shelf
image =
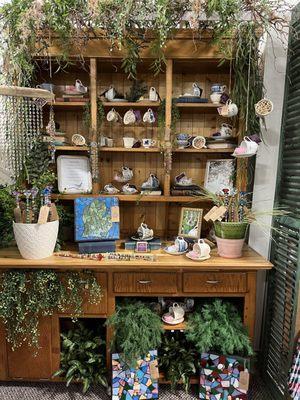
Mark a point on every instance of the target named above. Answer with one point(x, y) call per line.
point(135, 198)
point(69, 104)
point(72, 148)
point(178, 327)
point(127, 104)
point(203, 150)
point(131, 150)
point(198, 105)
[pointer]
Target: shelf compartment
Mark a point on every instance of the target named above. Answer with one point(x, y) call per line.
point(71, 148)
point(150, 104)
point(135, 198)
point(130, 150)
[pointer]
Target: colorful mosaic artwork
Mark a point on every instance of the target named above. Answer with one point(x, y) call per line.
point(223, 378)
point(136, 383)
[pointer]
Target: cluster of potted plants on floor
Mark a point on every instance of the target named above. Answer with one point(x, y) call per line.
point(214, 332)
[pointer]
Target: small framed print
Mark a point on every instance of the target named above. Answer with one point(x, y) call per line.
point(142, 247)
point(219, 175)
point(190, 222)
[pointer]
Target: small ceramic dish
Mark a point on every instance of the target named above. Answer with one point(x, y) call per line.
point(191, 256)
point(138, 238)
point(174, 253)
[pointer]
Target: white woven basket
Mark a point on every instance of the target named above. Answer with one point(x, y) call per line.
point(36, 241)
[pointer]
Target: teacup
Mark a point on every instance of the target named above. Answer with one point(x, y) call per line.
point(217, 87)
point(181, 244)
point(201, 248)
point(110, 93)
point(229, 109)
point(129, 117)
point(149, 116)
point(249, 145)
point(128, 142)
point(148, 143)
point(113, 116)
point(225, 130)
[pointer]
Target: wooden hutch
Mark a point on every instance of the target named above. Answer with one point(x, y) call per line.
point(187, 61)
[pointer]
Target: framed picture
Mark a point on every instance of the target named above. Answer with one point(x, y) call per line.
point(141, 247)
point(190, 222)
point(219, 175)
point(97, 218)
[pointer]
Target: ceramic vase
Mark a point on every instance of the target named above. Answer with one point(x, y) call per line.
point(230, 237)
point(36, 241)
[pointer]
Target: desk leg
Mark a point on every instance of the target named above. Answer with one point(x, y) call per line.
point(250, 304)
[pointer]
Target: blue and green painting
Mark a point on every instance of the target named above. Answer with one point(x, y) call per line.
point(93, 219)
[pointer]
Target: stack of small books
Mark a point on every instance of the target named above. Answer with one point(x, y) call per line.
point(152, 192)
point(181, 190)
point(154, 244)
point(58, 140)
point(72, 98)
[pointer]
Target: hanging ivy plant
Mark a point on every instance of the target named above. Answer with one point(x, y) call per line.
point(161, 117)
point(87, 114)
point(7, 205)
point(27, 295)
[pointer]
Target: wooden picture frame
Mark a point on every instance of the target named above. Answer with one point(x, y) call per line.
point(219, 175)
point(190, 222)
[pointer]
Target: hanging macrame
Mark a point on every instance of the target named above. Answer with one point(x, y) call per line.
point(21, 122)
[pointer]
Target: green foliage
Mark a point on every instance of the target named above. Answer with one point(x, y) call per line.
point(178, 360)
point(218, 327)
point(137, 89)
point(81, 358)
point(27, 295)
point(161, 117)
point(137, 330)
point(36, 171)
point(7, 205)
point(87, 114)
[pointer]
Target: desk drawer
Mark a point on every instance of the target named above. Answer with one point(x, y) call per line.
point(214, 282)
point(141, 282)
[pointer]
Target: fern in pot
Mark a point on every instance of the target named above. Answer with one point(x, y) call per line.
point(233, 216)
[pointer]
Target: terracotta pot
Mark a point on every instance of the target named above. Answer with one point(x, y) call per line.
point(230, 248)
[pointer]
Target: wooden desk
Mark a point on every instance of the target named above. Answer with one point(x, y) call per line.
point(169, 276)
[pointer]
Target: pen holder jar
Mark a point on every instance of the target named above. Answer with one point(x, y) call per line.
point(36, 241)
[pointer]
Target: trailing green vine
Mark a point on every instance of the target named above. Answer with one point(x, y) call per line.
point(7, 205)
point(27, 295)
point(161, 117)
point(87, 114)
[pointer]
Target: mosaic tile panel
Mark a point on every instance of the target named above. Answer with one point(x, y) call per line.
point(139, 383)
point(220, 377)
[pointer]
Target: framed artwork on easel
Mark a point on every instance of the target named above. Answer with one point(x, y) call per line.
point(190, 222)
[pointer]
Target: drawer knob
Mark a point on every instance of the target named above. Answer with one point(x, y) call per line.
point(144, 282)
point(212, 282)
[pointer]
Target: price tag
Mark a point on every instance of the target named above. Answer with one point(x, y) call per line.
point(43, 215)
point(215, 213)
point(244, 381)
point(115, 214)
point(53, 213)
point(154, 369)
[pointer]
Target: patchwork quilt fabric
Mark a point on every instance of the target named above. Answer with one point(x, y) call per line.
point(220, 377)
point(137, 383)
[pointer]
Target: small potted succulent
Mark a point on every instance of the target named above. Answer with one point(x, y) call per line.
point(232, 225)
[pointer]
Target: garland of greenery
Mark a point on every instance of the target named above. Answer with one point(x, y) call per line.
point(161, 116)
point(82, 357)
point(27, 295)
point(7, 205)
point(137, 330)
point(218, 327)
point(87, 114)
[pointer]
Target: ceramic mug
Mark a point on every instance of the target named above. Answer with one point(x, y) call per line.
point(181, 244)
point(250, 146)
point(217, 87)
point(201, 248)
point(110, 93)
point(153, 95)
point(129, 117)
point(215, 97)
point(149, 116)
point(225, 130)
point(112, 116)
point(148, 143)
point(102, 141)
point(109, 142)
point(46, 86)
point(80, 87)
point(128, 142)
